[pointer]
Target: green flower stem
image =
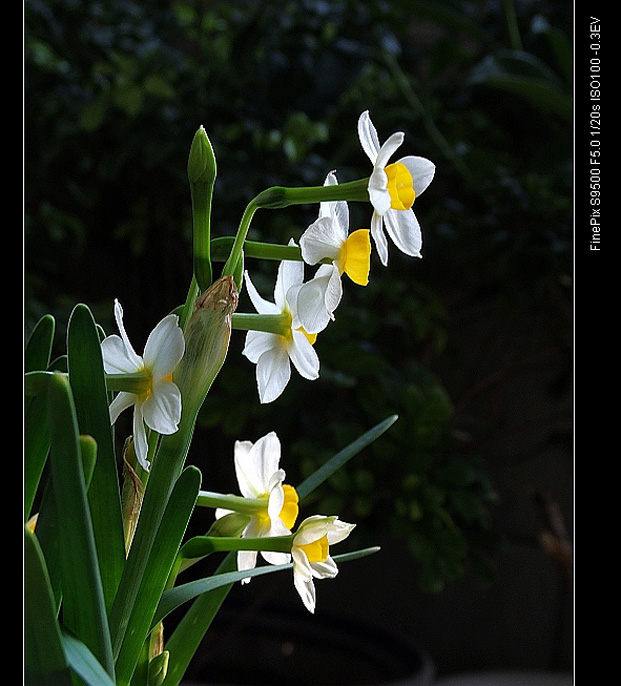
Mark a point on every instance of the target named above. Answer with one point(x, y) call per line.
point(136, 382)
point(236, 503)
point(188, 307)
point(230, 267)
point(278, 197)
point(221, 248)
point(270, 323)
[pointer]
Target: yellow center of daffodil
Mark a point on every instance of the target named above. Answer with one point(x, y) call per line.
point(355, 257)
point(317, 551)
point(400, 186)
point(289, 510)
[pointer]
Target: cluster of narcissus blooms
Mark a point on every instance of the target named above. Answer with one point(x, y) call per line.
point(303, 310)
point(308, 307)
point(261, 481)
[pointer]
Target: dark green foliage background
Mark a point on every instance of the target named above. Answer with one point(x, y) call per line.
point(113, 95)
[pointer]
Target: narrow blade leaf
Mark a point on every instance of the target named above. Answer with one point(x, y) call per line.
point(163, 554)
point(44, 657)
point(83, 603)
point(84, 663)
point(337, 461)
point(88, 384)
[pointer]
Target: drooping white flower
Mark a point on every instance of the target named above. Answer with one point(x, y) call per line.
point(328, 238)
point(311, 554)
point(274, 507)
point(157, 400)
point(392, 190)
point(273, 352)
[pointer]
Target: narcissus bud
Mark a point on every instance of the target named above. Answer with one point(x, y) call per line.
point(207, 335)
point(202, 177)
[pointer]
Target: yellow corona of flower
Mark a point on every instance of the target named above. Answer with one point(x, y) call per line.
point(393, 189)
point(328, 238)
point(311, 554)
point(260, 478)
point(157, 400)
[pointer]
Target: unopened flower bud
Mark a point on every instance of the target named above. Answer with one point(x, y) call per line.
point(201, 160)
point(229, 525)
point(207, 335)
point(202, 177)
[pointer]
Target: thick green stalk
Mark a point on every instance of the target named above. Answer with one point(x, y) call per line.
point(207, 336)
point(270, 323)
point(278, 197)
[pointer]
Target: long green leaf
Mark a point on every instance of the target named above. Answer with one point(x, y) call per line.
point(47, 526)
point(88, 384)
point(36, 437)
point(208, 595)
point(83, 603)
point(191, 629)
point(39, 345)
point(175, 597)
point(84, 663)
point(36, 449)
point(188, 634)
point(163, 554)
point(342, 457)
point(44, 658)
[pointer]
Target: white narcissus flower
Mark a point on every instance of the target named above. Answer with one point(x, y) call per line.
point(328, 238)
point(392, 190)
point(157, 402)
point(260, 478)
point(273, 352)
point(311, 554)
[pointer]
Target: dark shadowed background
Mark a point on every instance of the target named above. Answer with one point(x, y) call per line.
point(470, 492)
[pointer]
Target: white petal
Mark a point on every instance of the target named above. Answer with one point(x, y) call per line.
point(141, 447)
point(303, 579)
point(388, 149)
point(422, 171)
point(379, 195)
point(404, 230)
point(321, 241)
point(121, 402)
point(379, 237)
point(311, 529)
point(117, 359)
point(368, 136)
point(275, 558)
point(312, 311)
point(273, 373)
point(265, 455)
point(303, 356)
point(258, 342)
point(261, 305)
point(337, 211)
point(324, 570)
point(246, 559)
point(338, 531)
point(250, 484)
point(290, 273)
point(131, 354)
point(334, 291)
point(164, 347)
point(162, 409)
